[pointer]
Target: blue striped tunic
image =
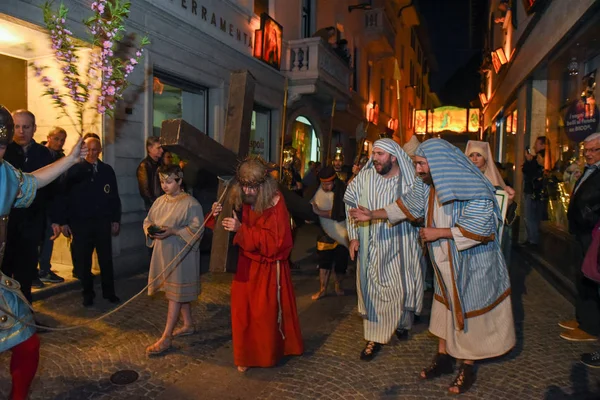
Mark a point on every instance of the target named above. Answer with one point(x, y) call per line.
point(389, 278)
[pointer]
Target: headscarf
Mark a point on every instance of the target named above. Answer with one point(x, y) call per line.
point(454, 176)
point(411, 146)
point(338, 210)
point(489, 170)
point(404, 162)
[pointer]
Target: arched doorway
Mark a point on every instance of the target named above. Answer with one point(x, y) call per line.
point(305, 140)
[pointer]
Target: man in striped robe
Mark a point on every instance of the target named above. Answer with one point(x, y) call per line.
point(389, 279)
point(471, 312)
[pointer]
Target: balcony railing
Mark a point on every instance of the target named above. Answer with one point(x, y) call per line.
point(311, 62)
point(380, 33)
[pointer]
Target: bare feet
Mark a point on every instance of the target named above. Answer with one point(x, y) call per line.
point(319, 295)
point(162, 345)
point(242, 369)
point(339, 291)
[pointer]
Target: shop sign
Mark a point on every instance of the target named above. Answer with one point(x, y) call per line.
point(447, 119)
point(223, 24)
point(581, 120)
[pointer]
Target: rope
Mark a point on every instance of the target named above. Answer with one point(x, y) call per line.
point(279, 310)
point(170, 266)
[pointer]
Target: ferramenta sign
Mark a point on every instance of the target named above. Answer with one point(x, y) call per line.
point(215, 18)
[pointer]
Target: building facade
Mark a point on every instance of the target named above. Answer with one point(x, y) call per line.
point(330, 52)
point(540, 66)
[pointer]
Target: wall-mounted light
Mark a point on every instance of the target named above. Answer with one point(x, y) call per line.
point(483, 98)
point(501, 55)
point(392, 124)
point(373, 112)
point(573, 67)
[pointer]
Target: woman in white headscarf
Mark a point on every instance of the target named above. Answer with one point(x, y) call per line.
point(481, 155)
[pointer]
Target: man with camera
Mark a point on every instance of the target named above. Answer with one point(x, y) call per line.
point(533, 178)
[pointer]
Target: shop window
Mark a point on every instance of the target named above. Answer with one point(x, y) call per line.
point(260, 133)
point(177, 98)
point(261, 6)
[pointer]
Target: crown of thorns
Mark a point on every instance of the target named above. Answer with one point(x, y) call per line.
point(248, 182)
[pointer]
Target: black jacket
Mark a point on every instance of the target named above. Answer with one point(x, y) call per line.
point(533, 178)
point(584, 207)
point(148, 181)
point(87, 196)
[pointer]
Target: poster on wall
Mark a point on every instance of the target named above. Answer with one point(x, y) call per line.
point(259, 136)
point(302, 141)
point(268, 41)
point(581, 120)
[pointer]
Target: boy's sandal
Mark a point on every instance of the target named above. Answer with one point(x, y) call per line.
point(465, 379)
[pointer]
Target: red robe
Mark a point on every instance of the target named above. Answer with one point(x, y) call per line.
point(258, 337)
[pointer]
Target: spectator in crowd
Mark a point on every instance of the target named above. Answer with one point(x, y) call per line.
point(533, 178)
point(26, 225)
point(147, 174)
point(91, 214)
point(55, 142)
point(310, 177)
point(583, 215)
point(167, 158)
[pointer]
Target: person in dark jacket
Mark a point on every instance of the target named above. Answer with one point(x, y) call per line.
point(91, 214)
point(55, 142)
point(583, 215)
point(533, 189)
point(147, 174)
point(26, 226)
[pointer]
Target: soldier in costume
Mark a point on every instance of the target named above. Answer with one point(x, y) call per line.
point(18, 189)
point(344, 172)
point(332, 242)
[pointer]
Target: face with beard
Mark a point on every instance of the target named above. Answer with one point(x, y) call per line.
point(383, 161)
point(249, 195)
point(422, 167)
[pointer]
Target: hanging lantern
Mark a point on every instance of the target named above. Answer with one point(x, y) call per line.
point(573, 67)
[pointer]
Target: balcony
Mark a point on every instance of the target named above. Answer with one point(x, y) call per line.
point(379, 33)
point(313, 68)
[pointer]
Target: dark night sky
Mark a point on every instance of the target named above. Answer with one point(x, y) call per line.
point(448, 27)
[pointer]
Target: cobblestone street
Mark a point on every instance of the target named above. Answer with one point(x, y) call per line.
point(77, 364)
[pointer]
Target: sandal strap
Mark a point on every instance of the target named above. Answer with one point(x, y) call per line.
point(465, 378)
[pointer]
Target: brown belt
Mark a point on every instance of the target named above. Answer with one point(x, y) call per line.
point(3, 228)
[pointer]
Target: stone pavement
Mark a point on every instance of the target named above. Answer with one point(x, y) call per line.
point(78, 364)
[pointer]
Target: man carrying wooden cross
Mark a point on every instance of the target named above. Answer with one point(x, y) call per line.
point(264, 318)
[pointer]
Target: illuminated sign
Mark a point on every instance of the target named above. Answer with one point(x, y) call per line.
point(447, 119)
point(268, 41)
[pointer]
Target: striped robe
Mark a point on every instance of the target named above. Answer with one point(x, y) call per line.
point(472, 309)
point(389, 278)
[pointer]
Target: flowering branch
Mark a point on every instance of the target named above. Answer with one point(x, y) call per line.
point(106, 74)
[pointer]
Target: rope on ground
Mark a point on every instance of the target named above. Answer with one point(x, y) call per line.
point(171, 266)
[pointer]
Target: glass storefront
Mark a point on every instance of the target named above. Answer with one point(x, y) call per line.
point(260, 133)
point(177, 98)
point(572, 115)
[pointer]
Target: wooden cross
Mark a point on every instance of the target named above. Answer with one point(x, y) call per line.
point(189, 142)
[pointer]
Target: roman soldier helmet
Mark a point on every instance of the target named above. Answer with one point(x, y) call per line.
point(339, 154)
point(289, 153)
point(7, 126)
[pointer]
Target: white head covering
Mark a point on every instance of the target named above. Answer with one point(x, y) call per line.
point(489, 170)
point(407, 168)
point(411, 146)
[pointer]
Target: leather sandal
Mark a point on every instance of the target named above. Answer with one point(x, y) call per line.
point(184, 332)
point(159, 347)
point(370, 351)
point(442, 364)
point(465, 379)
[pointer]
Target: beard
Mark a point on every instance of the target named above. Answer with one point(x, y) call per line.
point(383, 169)
point(249, 199)
point(426, 177)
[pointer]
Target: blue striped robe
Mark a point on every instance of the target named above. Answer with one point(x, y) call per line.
point(480, 277)
point(389, 277)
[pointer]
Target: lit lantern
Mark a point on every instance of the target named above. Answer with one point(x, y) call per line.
point(373, 112)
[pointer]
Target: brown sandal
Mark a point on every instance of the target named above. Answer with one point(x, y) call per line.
point(465, 379)
point(159, 347)
point(442, 364)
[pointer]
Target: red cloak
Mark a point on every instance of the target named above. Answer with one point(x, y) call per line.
point(259, 339)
